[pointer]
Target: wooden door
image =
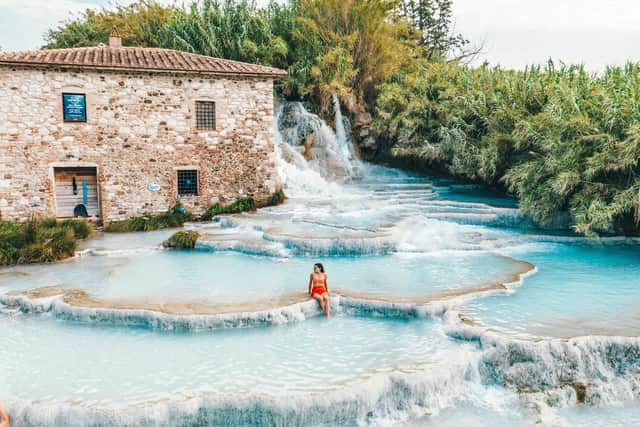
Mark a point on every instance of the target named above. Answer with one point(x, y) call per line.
point(73, 187)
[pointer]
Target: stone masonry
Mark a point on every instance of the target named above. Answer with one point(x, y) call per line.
point(140, 130)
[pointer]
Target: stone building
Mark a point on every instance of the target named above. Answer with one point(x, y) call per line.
point(121, 131)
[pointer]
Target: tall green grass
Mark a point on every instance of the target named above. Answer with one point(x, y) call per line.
point(147, 223)
point(558, 137)
point(243, 204)
point(173, 218)
point(40, 240)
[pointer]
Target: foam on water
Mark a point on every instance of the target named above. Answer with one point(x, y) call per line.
point(608, 367)
point(299, 374)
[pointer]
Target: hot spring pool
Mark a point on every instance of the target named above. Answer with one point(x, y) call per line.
point(449, 309)
point(230, 277)
point(580, 288)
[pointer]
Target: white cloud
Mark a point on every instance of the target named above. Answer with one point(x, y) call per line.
point(23, 23)
point(38, 8)
point(595, 15)
point(520, 32)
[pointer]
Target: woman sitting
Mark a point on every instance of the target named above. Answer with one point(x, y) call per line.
point(319, 289)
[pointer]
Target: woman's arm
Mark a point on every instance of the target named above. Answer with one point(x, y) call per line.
point(326, 283)
point(4, 417)
point(309, 291)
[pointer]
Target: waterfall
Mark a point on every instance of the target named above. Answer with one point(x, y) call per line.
point(344, 144)
point(313, 156)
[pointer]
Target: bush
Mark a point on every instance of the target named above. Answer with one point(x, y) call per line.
point(244, 204)
point(54, 243)
point(276, 198)
point(174, 218)
point(12, 238)
point(182, 240)
point(212, 211)
point(40, 240)
point(51, 222)
point(81, 228)
point(147, 223)
point(11, 235)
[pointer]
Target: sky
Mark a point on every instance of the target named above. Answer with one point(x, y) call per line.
point(514, 33)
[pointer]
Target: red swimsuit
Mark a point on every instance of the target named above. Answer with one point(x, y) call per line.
point(319, 286)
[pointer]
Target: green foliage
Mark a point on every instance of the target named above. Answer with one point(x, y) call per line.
point(81, 228)
point(140, 24)
point(245, 204)
point(40, 240)
point(348, 47)
point(560, 138)
point(276, 198)
point(434, 20)
point(147, 223)
point(212, 211)
point(235, 30)
point(185, 239)
point(175, 217)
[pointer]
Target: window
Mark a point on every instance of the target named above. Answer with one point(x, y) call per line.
point(205, 115)
point(188, 182)
point(74, 107)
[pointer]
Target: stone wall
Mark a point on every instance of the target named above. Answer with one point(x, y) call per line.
point(140, 129)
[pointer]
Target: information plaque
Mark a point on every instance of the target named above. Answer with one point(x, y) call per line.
point(74, 107)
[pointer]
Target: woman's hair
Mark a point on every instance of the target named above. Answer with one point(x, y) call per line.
point(320, 266)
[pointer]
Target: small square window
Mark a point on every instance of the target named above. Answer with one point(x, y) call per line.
point(205, 115)
point(74, 107)
point(188, 182)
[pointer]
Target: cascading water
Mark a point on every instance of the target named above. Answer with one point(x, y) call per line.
point(306, 141)
point(449, 310)
point(344, 149)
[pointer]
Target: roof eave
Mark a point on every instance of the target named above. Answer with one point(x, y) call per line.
point(275, 76)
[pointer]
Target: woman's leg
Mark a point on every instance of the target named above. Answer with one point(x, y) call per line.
point(327, 305)
point(320, 299)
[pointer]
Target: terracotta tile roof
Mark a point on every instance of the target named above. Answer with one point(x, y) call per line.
point(136, 58)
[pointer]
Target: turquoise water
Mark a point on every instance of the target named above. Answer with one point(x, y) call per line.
point(449, 309)
point(615, 415)
point(144, 365)
point(581, 288)
point(224, 277)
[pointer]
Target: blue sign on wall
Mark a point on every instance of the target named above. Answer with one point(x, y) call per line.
point(74, 107)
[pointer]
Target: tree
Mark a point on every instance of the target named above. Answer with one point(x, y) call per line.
point(354, 45)
point(140, 24)
point(434, 20)
point(230, 29)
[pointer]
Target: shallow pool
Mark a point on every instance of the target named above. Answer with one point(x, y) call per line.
point(59, 372)
point(163, 276)
point(580, 288)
